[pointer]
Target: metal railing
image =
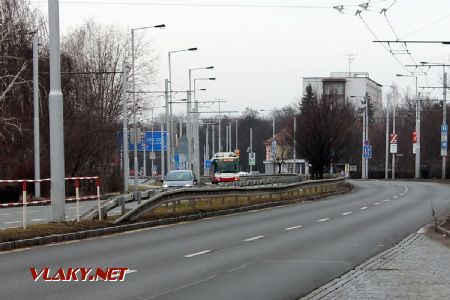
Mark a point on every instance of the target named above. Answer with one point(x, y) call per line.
point(272, 192)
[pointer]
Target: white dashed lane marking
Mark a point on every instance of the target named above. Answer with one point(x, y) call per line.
point(323, 220)
point(346, 213)
point(395, 197)
point(253, 238)
point(197, 253)
point(363, 208)
point(293, 227)
point(376, 203)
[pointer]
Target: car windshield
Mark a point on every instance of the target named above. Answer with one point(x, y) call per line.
point(178, 176)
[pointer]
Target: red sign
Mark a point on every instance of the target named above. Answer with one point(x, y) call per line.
point(414, 137)
point(393, 138)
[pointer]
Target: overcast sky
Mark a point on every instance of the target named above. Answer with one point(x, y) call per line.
point(260, 54)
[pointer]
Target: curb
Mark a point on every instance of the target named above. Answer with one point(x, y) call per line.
point(373, 263)
point(57, 238)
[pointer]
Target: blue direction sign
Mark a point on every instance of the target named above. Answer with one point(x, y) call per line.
point(152, 138)
point(367, 151)
point(207, 164)
point(444, 128)
point(444, 145)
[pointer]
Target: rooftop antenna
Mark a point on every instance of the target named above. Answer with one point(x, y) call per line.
point(351, 59)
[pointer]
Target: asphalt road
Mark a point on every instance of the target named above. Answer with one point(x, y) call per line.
point(278, 253)
point(12, 216)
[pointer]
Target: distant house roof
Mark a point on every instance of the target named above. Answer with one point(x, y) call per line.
point(280, 137)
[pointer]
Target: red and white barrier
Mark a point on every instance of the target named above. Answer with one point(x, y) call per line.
point(77, 198)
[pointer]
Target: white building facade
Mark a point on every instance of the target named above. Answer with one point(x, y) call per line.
point(351, 86)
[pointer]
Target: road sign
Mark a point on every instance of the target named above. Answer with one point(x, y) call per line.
point(366, 143)
point(414, 148)
point(367, 151)
point(207, 164)
point(393, 148)
point(394, 138)
point(414, 137)
point(252, 159)
point(152, 138)
point(444, 128)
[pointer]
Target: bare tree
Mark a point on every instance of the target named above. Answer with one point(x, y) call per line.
point(325, 127)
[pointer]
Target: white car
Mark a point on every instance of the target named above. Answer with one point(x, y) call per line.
point(179, 178)
point(243, 173)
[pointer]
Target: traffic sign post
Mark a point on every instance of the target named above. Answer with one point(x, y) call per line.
point(367, 151)
point(393, 146)
point(444, 142)
point(252, 159)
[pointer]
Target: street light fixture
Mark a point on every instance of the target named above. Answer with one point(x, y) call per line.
point(135, 162)
point(417, 166)
point(169, 109)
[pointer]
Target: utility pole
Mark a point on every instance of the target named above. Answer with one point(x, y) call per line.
point(213, 140)
point(57, 168)
point(237, 134)
point(444, 124)
point(417, 169)
point(167, 97)
point(163, 159)
point(363, 159)
point(226, 139)
point(386, 163)
point(367, 133)
point(393, 132)
point(206, 149)
point(37, 158)
point(295, 144)
point(251, 146)
point(126, 163)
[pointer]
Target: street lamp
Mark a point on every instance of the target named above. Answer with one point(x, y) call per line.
point(188, 114)
point(169, 117)
point(135, 162)
point(417, 166)
point(196, 144)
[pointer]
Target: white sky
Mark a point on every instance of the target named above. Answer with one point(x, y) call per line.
point(260, 54)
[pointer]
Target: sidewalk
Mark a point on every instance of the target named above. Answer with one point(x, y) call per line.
point(416, 268)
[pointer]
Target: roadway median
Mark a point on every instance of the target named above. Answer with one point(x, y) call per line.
point(164, 214)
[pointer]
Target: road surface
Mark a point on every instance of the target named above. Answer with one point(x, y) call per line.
point(277, 253)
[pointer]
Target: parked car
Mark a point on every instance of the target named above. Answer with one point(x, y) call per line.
point(179, 178)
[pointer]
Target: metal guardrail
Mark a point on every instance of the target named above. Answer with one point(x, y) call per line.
point(289, 190)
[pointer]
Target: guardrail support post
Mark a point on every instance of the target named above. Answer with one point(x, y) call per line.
point(97, 184)
point(174, 206)
point(122, 205)
point(24, 202)
point(77, 196)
